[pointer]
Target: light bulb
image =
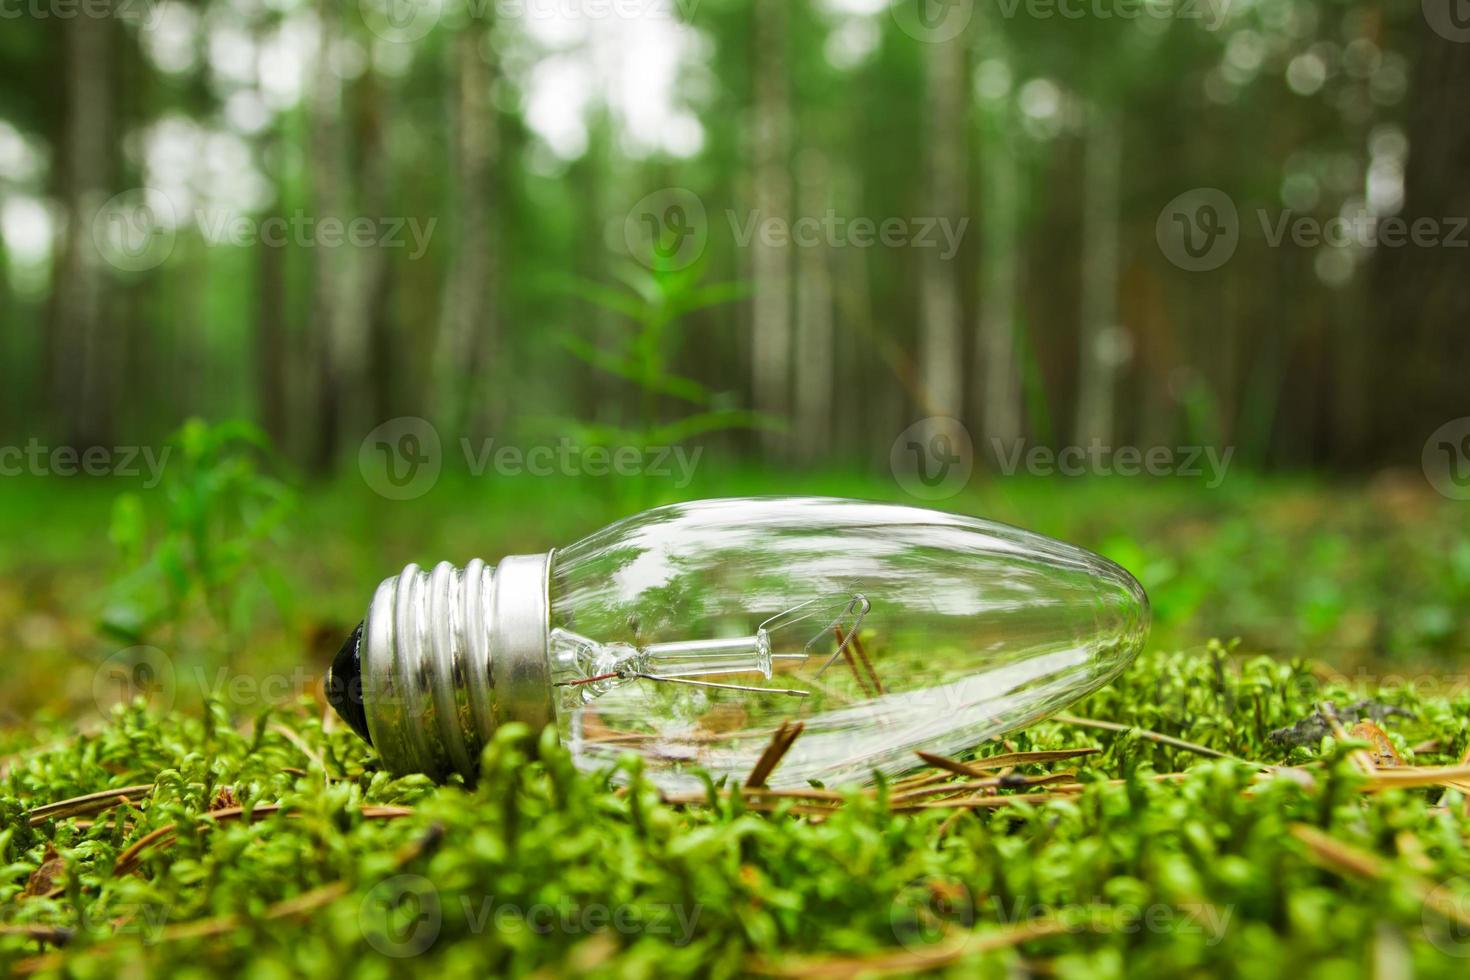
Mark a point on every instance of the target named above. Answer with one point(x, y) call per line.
point(687, 634)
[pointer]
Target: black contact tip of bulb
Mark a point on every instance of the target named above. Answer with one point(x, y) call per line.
point(344, 685)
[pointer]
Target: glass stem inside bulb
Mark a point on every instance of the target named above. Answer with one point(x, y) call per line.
point(689, 658)
point(603, 666)
point(594, 668)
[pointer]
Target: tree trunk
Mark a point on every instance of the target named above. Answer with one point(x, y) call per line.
point(1099, 335)
point(770, 262)
point(814, 353)
point(16, 393)
point(271, 389)
point(1417, 337)
point(80, 382)
point(270, 343)
point(332, 319)
point(1000, 271)
point(468, 331)
point(859, 359)
point(941, 353)
point(377, 367)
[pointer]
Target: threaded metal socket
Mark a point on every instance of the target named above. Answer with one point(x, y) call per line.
point(449, 655)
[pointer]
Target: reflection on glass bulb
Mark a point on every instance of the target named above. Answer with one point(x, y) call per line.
point(688, 634)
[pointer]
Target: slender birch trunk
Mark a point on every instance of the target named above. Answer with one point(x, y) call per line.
point(80, 380)
point(941, 354)
point(814, 322)
point(468, 329)
point(770, 261)
point(1000, 271)
point(1098, 340)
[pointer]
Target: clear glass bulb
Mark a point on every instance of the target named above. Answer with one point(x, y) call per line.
point(689, 633)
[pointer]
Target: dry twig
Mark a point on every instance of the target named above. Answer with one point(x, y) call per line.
point(780, 744)
point(909, 961)
point(1345, 859)
point(88, 804)
point(1162, 739)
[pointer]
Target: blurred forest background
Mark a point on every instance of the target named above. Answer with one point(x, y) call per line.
point(501, 158)
point(778, 232)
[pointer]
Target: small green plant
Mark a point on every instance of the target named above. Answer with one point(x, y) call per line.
point(656, 304)
point(220, 512)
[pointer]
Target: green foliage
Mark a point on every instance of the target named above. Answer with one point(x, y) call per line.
point(657, 305)
point(540, 867)
point(220, 513)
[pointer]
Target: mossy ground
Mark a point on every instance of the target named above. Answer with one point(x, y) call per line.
point(541, 868)
point(258, 841)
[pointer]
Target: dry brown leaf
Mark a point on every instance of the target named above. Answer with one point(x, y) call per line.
point(1383, 753)
point(47, 876)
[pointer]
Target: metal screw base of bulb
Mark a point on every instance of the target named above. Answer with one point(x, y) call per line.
point(450, 655)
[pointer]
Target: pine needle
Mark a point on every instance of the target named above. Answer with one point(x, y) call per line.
point(780, 744)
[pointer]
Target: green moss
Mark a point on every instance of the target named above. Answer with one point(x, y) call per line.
point(539, 867)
